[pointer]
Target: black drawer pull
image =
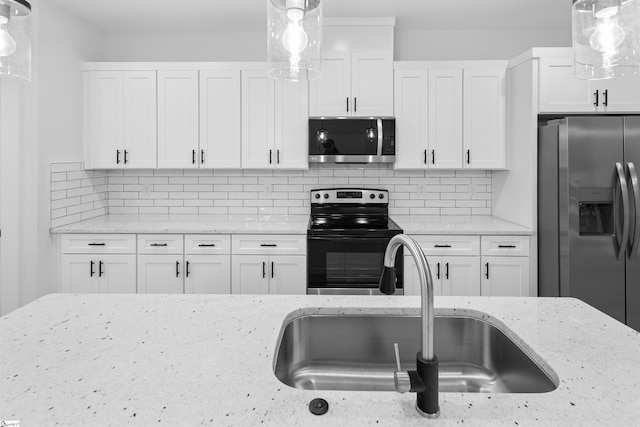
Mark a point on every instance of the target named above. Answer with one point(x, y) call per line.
point(100, 268)
point(177, 268)
point(268, 245)
point(186, 273)
point(438, 273)
point(96, 244)
point(507, 246)
point(206, 245)
point(264, 272)
point(446, 274)
point(91, 272)
point(487, 274)
point(442, 246)
point(158, 244)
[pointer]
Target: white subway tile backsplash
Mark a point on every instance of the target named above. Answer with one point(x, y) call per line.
point(78, 194)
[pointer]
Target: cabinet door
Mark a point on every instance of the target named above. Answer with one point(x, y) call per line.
point(140, 124)
point(460, 276)
point(160, 274)
point(104, 119)
point(505, 276)
point(220, 119)
point(445, 119)
point(484, 133)
point(249, 274)
point(288, 275)
point(329, 95)
point(372, 83)
point(258, 148)
point(80, 274)
point(560, 91)
point(207, 274)
point(178, 119)
point(291, 124)
point(412, 280)
point(622, 94)
point(411, 119)
point(117, 274)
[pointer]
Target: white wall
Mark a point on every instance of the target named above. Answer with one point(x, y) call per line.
point(51, 130)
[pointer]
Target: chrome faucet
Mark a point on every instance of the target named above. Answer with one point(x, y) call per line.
point(423, 381)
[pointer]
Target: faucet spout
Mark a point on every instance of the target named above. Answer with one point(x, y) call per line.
point(425, 380)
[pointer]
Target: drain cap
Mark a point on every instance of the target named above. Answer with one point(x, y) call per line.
point(318, 406)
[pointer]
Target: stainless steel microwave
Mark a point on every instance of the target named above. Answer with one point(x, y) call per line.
point(352, 140)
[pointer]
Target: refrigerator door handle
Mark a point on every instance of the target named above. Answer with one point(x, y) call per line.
point(634, 241)
point(622, 247)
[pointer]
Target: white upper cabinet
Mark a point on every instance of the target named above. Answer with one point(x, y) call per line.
point(274, 122)
point(220, 112)
point(561, 92)
point(178, 119)
point(411, 103)
point(484, 112)
point(445, 119)
point(120, 119)
point(354, 84)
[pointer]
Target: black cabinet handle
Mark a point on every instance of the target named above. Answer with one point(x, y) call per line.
point(487, 273)
point(442, 246)
point(100, 269)
point(272, 269)
point(206, 245)
point(186, 273)
point(425, 157)
point(438, 272)
point(270, 156)
point(507, 246)
point(96, 244)
point(91, 272)
point(193, 157)
point(355, 104)
point(433, 157)
point(177, 268)
point(606, 97)
point(595, 94)
point(446, 272)
point(278, 156)
point(268, 245)
point(468, 156)
point(117, 157)
point(201, 157)
point(125, 157)
point(158, 244)
point(264, 271)
point(347, 104)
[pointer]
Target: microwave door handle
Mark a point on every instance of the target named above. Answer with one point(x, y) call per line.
point(379, 137)
point(634, 241)
point(622, 246)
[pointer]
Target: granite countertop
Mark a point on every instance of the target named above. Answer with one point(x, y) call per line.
point(207, 359)
point(220, 224)
point(281, 224)
point(459, 224)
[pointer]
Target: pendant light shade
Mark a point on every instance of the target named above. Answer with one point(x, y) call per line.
point(294, 39)
point(606, 38)
point(15, 41)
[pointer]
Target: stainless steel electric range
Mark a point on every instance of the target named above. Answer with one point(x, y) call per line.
point(347, 235)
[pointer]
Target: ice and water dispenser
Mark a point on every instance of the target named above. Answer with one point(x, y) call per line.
point(597, 213)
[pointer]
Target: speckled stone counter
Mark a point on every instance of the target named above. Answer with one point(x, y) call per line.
point(194, 359)
point(459, 224)
point(221, 224)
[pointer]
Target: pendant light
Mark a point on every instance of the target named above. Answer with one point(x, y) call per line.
point(294, 39)
point(606, 38)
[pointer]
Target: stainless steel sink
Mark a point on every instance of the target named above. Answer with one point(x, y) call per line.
point(355, 352)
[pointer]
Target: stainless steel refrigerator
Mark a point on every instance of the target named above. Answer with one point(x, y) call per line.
point(589, 212)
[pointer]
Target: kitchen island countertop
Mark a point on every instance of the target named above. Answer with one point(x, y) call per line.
point(208, 359)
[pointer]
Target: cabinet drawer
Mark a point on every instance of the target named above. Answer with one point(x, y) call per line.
point(202, 244)
point(160, 244)
point(258, 244)
point(99, 244)
point(505, 245)
point(449, 245)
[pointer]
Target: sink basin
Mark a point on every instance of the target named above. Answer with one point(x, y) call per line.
point(355, 352)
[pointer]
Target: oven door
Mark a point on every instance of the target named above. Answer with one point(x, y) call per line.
point(348, 265)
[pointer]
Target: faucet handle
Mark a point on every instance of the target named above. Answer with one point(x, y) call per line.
point(401, 379)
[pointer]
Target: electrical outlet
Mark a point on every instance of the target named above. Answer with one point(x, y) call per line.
point(422, 188)
point(146, 189)
point(268, 189)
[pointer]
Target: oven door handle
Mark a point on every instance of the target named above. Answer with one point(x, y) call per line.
point(343, 237)
point(379, 137)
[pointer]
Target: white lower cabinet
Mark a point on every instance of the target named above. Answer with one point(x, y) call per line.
point(160, 274)
point(99, 274)
point(452, 275)
point(271, 274)
point(505, 276)
point(207, 274)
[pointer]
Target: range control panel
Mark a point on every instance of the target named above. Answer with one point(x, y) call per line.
point(349, 195)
